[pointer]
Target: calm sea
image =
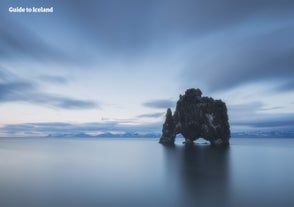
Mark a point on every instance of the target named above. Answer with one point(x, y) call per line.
point(140, 172)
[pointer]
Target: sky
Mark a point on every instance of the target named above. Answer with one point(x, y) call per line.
point(96, 66)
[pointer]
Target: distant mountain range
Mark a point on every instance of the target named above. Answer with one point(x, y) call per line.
point(251, 134)
point(108, 135)
point(263, 134)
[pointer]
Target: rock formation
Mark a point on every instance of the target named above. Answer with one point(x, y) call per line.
point(196, 116)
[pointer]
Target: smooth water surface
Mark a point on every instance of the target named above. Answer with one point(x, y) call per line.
point(141, 172)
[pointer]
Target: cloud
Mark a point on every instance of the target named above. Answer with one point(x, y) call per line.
point(127, 27)
point(54, 79)
point(240, 111)
point(152, 115)
point(132, 26)
point(259, 48)
point(253, 115)
point(286, 86)
point(15, 89)
point(59, 101)
point(280, 121)
point(123, 28)
point(38, 38)
point(160, 104)
point(11, 90)
point(27, 44)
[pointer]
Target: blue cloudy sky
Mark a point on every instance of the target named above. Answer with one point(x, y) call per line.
point(110, 65)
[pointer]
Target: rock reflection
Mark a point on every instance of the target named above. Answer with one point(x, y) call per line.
point(201, 173)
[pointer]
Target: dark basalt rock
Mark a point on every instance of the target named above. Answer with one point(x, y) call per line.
point(168, 129)
point(196, 116)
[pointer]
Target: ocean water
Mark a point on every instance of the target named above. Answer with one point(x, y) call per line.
point(140, 172)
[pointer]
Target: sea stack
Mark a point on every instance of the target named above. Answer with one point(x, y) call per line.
point(197, 116)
